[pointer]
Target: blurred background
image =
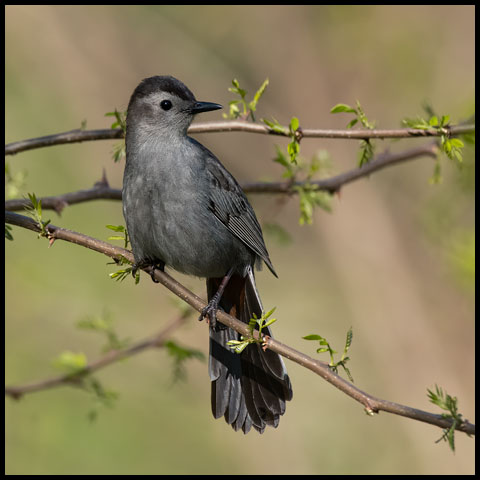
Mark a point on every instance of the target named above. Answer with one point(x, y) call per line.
point(394, 260)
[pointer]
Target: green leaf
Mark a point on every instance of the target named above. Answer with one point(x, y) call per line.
point(326, 347)
point(35, 211)
point(275, 126)
point(71, 362)
point(311, 197)
point(349, 339)
point(236, 89)
point(253, 104)
point(366, 152)
point(281, 158)
point(120, 120)
point(312, 337)
point(456, 143)
point(416, 123)
point(8, 234)
point(119, 151)
point(363, 118)
point(121, 229)
point(444, 121)
point(342, 108)
point(449, 404)
point(238, 346)
point(269, 313)
point(293, 149)
point(116, 228)
point(294, 124)
point(352, 123)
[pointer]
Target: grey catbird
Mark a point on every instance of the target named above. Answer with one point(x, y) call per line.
point(185, 210)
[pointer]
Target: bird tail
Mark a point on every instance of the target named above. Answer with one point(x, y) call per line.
point(250, 388)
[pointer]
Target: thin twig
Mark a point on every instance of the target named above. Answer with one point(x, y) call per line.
point(371, 403)
point(155, 341)
point(75, 136)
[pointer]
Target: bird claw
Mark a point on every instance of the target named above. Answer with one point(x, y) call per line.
point(151, 270)
point(152, 274)
point(210, 312)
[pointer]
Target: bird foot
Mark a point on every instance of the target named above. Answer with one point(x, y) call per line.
point(151, 268)
point(210, 312)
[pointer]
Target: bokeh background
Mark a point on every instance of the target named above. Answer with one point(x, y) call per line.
point(394, 260)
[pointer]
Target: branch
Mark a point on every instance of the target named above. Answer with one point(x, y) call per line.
point(333, 184)
point(75, 136)
point(102, 190)
point(371, 403)
point(113, 356)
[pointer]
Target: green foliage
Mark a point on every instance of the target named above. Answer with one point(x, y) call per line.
point(293, 148)
point(75, 365)
point(325, 347)
point(275, 126)
point(14, 182)
point(451, 147)
point(121, 275)
point(242, 108)
point(102, 397)
point(360, 115)
point(366, 146)
point(35, 211)
point(8, 232)
point(238, 346)
point(449, 404)
point(70, 363)
point(310, 197)
point(180, 355)
point(119, 229)
point(293, 131)
point(103, 324)
point(120, 122)
point(290, 169)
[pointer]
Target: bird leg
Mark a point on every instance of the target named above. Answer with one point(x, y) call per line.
point(210, 311)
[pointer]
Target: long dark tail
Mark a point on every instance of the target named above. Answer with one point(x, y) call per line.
point(251, 388)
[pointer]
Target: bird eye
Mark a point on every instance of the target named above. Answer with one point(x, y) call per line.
point(166, 104)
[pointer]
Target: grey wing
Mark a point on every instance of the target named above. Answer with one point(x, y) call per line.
point(230, 205)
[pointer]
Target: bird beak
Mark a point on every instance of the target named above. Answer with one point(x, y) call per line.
point(199, 107)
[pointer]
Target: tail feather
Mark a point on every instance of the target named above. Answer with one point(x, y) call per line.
point(251, 388)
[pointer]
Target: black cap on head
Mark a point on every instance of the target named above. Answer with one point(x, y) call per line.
point(164, 83)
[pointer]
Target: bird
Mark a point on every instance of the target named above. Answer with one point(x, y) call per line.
point(184, 210)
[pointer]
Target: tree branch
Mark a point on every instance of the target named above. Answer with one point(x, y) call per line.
point(155, 341)
point(75, 136)
point(102, 190)
point(371, 403)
